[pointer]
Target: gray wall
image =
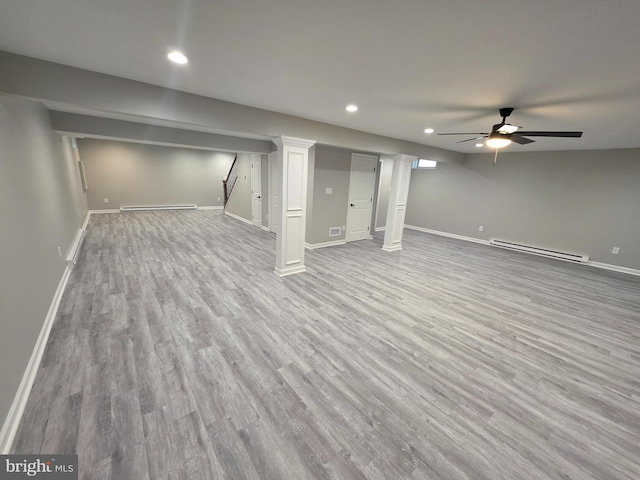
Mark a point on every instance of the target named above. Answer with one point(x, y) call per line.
point(137, 101)
point(583, 202)
point(77, 125)
point(240, 202)
point(331, 168)
point(137, 174)
point(42, 208)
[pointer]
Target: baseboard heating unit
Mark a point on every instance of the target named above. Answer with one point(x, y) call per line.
point(569, 257)
point(72, 258)
point(141, 208)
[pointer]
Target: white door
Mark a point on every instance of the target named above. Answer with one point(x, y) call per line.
point(273, 192)
point(256, 187)
point(361, 186)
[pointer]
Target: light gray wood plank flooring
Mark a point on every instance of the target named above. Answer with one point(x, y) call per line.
point(177, 353)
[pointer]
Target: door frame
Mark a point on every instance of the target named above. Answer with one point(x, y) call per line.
point(256, 160)
point(374, 160)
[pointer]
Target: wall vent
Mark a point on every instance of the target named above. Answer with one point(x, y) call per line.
point(569, 257)
point(139, 208)
point(335, 231)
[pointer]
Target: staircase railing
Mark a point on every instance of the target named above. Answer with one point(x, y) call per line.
point(229, 182)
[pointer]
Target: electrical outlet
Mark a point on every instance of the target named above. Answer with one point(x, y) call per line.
point(59, 251)
point(328, 190)
point(481, 228)
point(218, 198)
point(616, 250)
point(106, 200)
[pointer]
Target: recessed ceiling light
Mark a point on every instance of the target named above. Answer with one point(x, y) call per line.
point(428, 130)
point(478, 144)
point(352, 108)
point(177, 57)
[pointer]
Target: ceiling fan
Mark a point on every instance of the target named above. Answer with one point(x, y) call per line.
point(503, 133)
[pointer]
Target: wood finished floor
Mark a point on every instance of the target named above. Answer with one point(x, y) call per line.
point(177, 353)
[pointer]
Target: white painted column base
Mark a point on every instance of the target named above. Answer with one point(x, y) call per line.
point(292, 170)
point(397, 207)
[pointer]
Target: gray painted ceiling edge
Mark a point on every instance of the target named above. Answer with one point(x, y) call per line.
point(101, 95)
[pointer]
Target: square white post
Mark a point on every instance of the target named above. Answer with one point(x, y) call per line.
point(292, 169)
point(397, 208)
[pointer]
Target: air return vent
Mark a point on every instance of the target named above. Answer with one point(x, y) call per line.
point(569, 257)
point(335, 231)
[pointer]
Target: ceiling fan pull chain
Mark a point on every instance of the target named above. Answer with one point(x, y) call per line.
point(495, 158)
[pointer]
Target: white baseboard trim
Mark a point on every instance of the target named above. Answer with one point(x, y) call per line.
point(107, 210)
point(266, 229)
point(11, 423)
point(615, 268)
point(604, 266)
point(290, 270)
point(445, 234)
point(380, 229)
point(211, 207)
point(314, 246)
point(238, 217)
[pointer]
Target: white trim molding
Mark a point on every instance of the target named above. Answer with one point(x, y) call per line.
point(334, 243)
point(211, 207)
point(10, 427)
point(107, 210)
point(445, 234)
point(238, 217)
point(615, 268)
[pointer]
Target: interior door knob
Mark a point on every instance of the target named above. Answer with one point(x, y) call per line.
point(353, 204)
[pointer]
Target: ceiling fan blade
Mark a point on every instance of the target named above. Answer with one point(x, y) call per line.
point(551, 134)
point(471, 139)
point(465, 133)
point(519, 139)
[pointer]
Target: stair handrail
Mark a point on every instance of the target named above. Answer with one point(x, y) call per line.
point(229, 182)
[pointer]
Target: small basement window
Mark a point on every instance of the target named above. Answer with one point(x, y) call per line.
point(423, 163)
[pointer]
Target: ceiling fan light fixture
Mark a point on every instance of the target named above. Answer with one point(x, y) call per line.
point(497, 141)
point(508, 129)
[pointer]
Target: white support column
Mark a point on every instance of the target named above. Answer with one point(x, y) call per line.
point(397, 208)
point(292, 168)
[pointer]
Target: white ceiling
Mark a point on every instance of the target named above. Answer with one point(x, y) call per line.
point(408, 64)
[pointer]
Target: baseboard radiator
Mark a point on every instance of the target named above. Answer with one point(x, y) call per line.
point(569, 257)
point(72, 258)
point(143, 208)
